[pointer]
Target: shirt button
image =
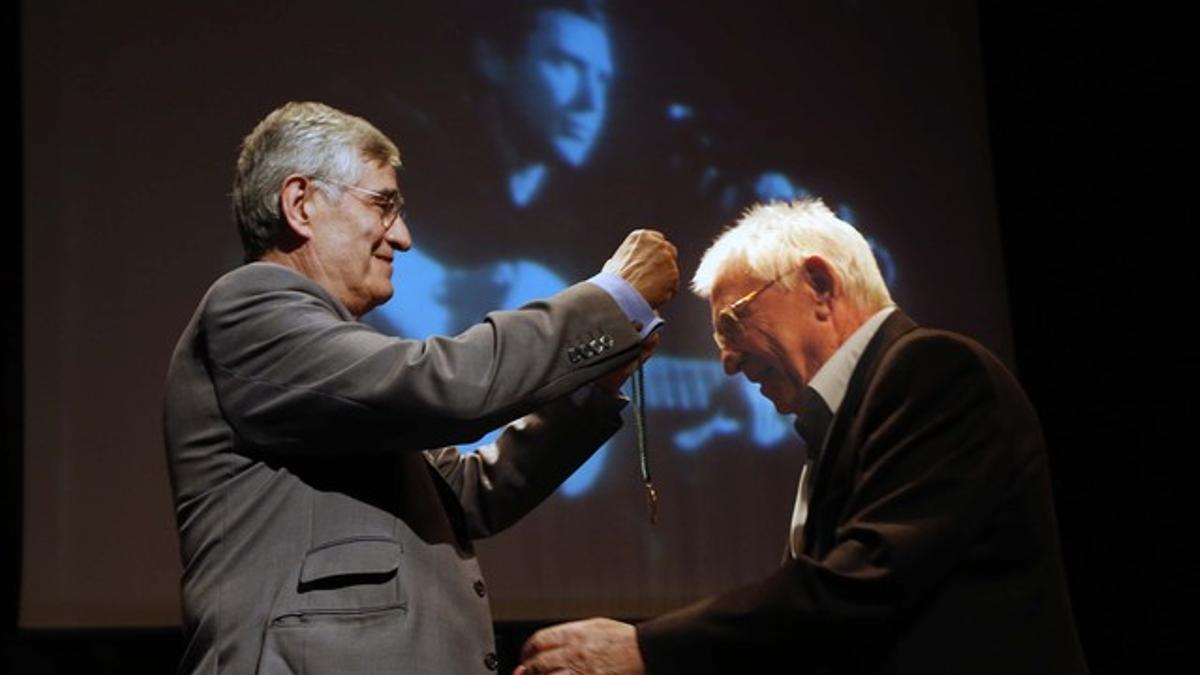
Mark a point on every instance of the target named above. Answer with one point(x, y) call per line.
point(480, 588)
point(490, 661)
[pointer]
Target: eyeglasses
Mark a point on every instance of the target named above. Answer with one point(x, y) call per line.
point(390, 202)
point(729, 324)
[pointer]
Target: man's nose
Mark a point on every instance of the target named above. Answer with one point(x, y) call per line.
point(586, 97)
point(398, 235)
point(589, 93)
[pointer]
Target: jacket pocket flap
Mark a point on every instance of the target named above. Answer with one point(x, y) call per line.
point(351, 557)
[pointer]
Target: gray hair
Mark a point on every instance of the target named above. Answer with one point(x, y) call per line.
point(310, 139)
point(773, 239)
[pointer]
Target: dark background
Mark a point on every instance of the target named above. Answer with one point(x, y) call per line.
point(1087, 147)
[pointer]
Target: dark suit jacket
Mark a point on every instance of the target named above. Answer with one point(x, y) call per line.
point(930, 544)
point(317, 533)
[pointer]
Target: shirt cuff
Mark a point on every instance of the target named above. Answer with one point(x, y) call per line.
point(638, 311)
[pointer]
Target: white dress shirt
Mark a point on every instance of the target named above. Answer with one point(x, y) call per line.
point(830, 383)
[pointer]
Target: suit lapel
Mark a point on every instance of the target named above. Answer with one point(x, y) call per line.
point(824, 491)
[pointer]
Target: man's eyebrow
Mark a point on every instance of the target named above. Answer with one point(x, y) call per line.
point(390, 195)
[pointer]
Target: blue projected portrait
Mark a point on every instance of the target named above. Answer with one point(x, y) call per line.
point(554, 86)
point(510, 176)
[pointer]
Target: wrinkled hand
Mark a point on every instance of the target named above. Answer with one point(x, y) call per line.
point(649, 263)
point(611, 383)
point(591, 647)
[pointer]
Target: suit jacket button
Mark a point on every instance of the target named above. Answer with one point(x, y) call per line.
point(490, 661)
point(480, 588)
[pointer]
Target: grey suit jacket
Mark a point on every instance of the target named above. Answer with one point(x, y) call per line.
point(317, 533)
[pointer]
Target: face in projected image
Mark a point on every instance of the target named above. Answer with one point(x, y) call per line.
point(544, 71)
point(557, 87)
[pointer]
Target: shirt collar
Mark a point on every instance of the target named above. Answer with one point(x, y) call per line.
point(833, 378)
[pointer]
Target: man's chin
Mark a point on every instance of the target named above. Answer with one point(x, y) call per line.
point(573, 151)
point(783, 404)
point(381, 296)
point(784, 408)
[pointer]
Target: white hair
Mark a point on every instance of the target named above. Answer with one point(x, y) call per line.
point(774, 239)
point(310, 139)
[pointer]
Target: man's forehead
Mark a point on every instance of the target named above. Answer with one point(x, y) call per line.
point(579, 36)
point(378, 175)
point(732, 281)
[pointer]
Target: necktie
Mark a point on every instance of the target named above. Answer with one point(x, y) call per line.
point(812, 425)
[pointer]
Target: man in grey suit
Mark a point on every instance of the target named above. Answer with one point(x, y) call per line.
point(318, 531)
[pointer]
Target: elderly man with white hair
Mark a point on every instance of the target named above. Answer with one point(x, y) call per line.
point(923, 535)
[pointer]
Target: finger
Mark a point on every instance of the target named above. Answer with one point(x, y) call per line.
point(650, 344)
point(543, 640)
point(550, 663)
point(638, 235)
point(522, 670)
point(529, 648)
point(672, 290)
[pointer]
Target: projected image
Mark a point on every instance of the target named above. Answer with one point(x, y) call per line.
point(555, 85)
point(534, 135)
point(508, 219)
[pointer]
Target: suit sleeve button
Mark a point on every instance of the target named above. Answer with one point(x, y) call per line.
point(490, 661)
point(480, 588)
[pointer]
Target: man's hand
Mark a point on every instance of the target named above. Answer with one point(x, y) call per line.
point(611, 383)
point(649, 263)
point(591, 647)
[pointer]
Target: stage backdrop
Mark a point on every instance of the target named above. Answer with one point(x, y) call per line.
point(530, 149)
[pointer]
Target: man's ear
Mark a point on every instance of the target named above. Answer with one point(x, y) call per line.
point(295, 204)
point(822, 281)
